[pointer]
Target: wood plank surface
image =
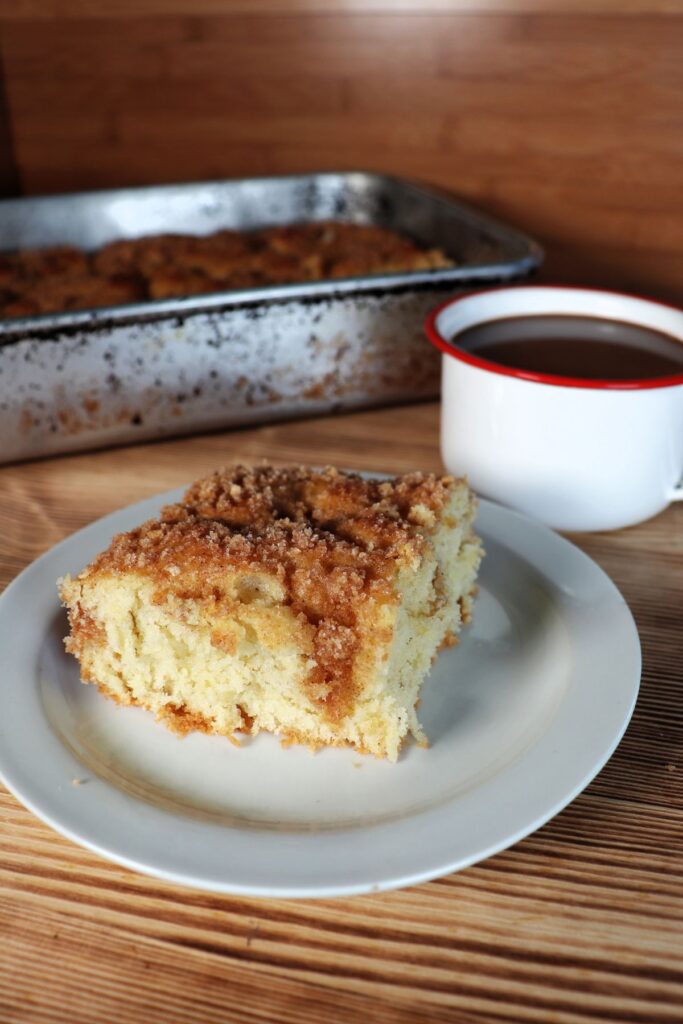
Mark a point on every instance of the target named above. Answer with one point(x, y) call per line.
point(564, 118)
point(581, 923)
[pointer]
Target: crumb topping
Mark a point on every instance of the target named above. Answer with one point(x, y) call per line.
point(84, 629)
point(371, 513)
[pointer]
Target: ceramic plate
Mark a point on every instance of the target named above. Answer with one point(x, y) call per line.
point(521, 715)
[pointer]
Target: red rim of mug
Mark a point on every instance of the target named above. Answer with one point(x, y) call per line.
point(449, 348)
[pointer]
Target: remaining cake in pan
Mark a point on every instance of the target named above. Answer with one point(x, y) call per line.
point(172, 266)
point(305, 603)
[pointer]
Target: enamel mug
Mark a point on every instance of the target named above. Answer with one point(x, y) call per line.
point(574, 453)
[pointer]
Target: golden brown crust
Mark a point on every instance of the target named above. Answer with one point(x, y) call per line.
point(181, 722)
point(61, 259)
point(450, 640)
point(84, 630)
point(167, 266)
point(284, 518)
point(371, 513)
point(83, 292)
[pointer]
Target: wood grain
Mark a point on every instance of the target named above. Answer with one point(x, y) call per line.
point(9, 176)
point(51, 9)
point(564, 118)
point(581, 923)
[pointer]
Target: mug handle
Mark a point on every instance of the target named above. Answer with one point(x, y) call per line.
point(676, 493)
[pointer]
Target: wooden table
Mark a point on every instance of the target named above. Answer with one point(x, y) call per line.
point(582, 922)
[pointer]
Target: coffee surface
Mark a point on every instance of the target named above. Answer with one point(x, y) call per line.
point(575, 346)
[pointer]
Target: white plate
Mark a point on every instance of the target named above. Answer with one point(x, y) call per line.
point(521, 716)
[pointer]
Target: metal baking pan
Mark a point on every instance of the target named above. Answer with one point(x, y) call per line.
point(87, 379)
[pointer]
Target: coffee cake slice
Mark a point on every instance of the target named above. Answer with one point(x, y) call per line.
point(304, 603)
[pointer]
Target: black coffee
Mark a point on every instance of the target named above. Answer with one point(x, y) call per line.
point(575, 346)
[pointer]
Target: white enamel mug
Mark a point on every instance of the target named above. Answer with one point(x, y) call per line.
point(576, 454)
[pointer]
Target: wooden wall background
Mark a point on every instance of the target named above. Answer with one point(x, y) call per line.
point(564, 117)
